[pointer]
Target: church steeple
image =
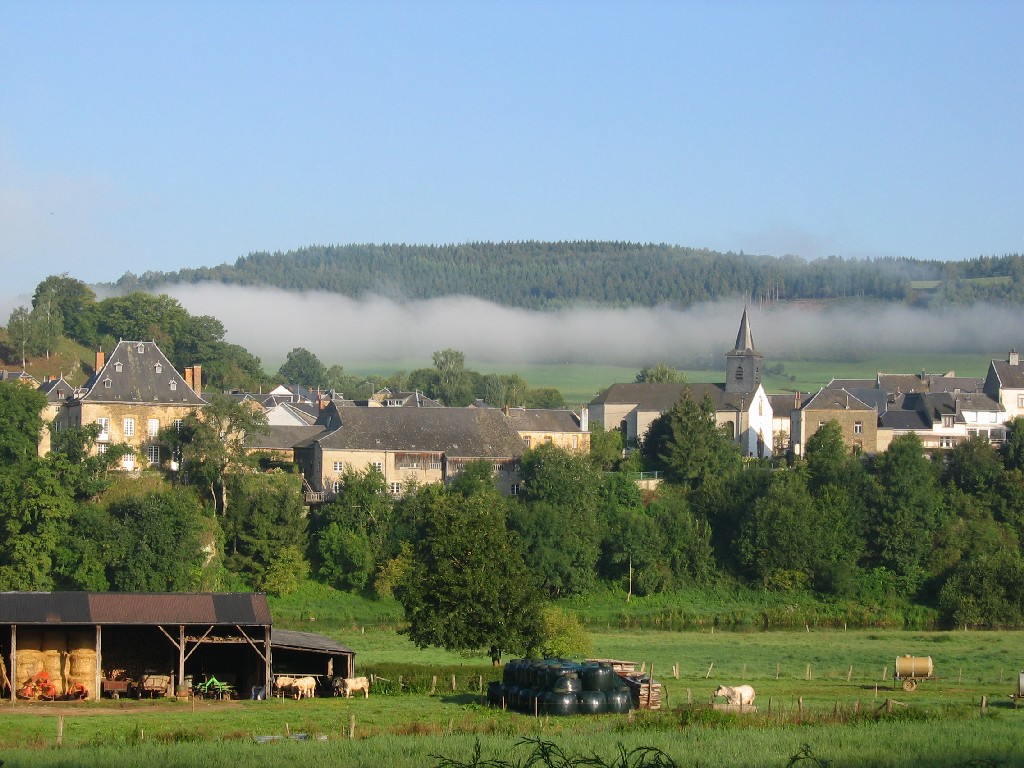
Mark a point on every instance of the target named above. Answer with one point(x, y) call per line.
point(743, 363)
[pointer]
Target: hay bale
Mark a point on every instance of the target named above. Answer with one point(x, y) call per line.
point(54, 662)
point(82, 664)
point(29, 663)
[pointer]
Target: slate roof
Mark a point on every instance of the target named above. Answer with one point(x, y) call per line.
point(56, 389)
point(1009, 376)
point(834, 400)
point(306, 641)
point(784, 404)
point(249, 609)
point(282, 438)
point(456, 432)
point(662, 397)
point(543, 420)
point(138, 372)
point(22, 376)
point(647, 397)
point(744, 338)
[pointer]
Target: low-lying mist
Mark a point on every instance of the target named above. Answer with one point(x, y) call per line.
point(270, 322)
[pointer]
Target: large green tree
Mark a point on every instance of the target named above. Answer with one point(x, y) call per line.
point(210, 445)
point(350, 534)
point(467, 586)
point(265, 531)
point(303, 367)
point(688, 446)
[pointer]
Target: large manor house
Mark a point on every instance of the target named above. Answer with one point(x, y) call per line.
point(134, 393)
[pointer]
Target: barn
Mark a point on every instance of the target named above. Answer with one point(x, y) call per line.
point(99, 640)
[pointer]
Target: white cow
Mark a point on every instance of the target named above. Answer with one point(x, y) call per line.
point(283, 685)
point(740, 694)
point(346, 686)
point(305, 687)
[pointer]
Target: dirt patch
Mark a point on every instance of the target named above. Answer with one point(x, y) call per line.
point(106, 707)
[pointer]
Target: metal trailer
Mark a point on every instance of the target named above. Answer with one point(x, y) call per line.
point(910, 670)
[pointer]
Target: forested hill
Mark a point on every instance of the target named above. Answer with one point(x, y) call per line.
point(548, 275)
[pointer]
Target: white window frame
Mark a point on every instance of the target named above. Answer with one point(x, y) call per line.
point(858, 427)
point(152, 427)
point(128, 426)
point(104, 424)
point(395, 488)
point(153, 454)
point(339, 466)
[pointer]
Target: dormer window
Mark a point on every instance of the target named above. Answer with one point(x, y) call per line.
point(118, 366)
point(158, 368)
point(141, 348)
point(173, 385)
point(107, 383)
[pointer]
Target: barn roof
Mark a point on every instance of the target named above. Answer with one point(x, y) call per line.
point(248, 609)
point(306, 641)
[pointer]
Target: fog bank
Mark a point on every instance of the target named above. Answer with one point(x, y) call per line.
point(270, 322)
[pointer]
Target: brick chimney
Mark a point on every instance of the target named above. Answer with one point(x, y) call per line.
point(197, 379)
point(1014, 357)
point(100, 360)
point(188, 377)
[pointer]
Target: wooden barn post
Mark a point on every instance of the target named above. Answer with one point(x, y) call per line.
point(14, 660)
point(98, 679)
point(181, 655)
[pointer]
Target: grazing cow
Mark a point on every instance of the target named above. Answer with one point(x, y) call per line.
point(740, 695)
point(346, 686)
point(305, 687)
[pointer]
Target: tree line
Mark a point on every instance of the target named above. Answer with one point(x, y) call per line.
point(545, 275)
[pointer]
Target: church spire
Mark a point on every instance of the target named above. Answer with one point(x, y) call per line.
point(743, 363)
point(744, 339)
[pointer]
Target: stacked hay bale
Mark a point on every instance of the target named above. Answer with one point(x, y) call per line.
point(81, 668)
point(30, 657)
point(560, 687)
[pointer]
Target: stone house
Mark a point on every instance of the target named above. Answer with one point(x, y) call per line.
point(857, 419)
point(134, 394)
point(408, 445)
point(544, 426)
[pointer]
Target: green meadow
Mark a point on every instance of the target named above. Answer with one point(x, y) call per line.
point(829, 690)
point(580, 382)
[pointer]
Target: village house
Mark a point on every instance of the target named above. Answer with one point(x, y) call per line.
point(545, 426)
point(1004, 383)
point(857, 420)
point(134, 394)
point(407, 445)
point(741, 405)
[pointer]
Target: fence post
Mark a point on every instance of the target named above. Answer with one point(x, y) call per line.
point(352, 725)
point(453, 682)
point(433, 684)
point(709, 670)
point(849, 673)
point(60, 730)
point(885, 674)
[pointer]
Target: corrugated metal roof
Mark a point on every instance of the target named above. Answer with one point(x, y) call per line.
point(134, 608)
point(306, 641)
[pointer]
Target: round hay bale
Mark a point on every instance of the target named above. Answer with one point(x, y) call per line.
point(29, 662)
point(53, 663)
point(82, 664)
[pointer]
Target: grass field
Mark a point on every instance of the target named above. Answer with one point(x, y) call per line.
point(824, 689)
point(580, 383)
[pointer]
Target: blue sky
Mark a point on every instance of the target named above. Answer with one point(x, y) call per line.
point(155, 135)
